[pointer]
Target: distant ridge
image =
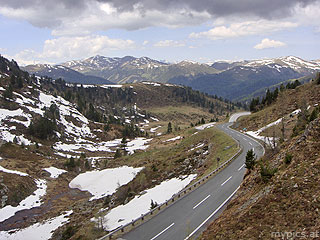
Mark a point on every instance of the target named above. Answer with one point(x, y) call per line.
point(235, 80)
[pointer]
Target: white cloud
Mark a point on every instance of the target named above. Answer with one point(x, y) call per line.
point(169, 43)
point(268, 43)
point(247, 28)
point(66, 48)
point(27, 57)
point(78, 47)
point(145, 43)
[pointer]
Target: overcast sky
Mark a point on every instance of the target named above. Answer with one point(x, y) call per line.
point(46, 31)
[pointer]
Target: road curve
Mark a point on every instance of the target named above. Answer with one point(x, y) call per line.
point(191, 214)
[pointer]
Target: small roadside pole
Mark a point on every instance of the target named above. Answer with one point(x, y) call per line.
point(218, 161)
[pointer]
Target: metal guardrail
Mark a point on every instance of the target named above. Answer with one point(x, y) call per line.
point(174, 198)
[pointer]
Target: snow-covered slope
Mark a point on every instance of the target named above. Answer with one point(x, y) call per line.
point(295, 63)
point(31, 107)
point(106, 63)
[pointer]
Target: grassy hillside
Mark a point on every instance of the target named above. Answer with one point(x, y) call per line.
point(279, 198)
point(287, 102)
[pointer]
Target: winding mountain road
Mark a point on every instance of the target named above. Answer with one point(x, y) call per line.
point(189, 216)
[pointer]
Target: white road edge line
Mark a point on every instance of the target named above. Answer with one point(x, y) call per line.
point(215, 211)
point(162, 232)
point(226, 181)
point(201, 201)
point(250, 143)
point(241, 167)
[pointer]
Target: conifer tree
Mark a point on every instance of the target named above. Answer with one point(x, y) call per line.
point(250, 159)
point(169, 128)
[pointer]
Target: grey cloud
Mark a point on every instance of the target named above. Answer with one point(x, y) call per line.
point(261, 8)
point(68, 4)
point(58, 13)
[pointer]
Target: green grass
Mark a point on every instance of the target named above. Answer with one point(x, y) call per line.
point(166, 160)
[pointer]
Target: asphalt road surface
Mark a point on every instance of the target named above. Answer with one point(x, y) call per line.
point(190, 215)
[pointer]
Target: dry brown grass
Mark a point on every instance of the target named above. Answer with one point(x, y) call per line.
point(289, 201)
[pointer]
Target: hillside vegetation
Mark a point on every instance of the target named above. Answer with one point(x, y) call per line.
point(77, 152)
point(279, 198)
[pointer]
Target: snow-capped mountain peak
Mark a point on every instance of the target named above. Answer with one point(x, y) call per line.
point(293, 62)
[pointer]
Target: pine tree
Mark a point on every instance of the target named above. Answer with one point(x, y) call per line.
point(314, 114)
point(7, 94)
point(124, 145)
point(169, 128)
point(250, 159)
point(117, 154)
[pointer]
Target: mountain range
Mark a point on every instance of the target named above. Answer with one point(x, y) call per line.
point(233, 80)
point(68, 74)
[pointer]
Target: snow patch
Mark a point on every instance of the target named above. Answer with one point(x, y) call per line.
point(197, 146)
point(87, 145)
point(111, 86)
point(124, 214)
point(268, 140)
point(155, 129)
point(12, 171)
point(38, 231)
point(105, 182)
point(173, 139)
point(154, 119)
point(137, 144)
point(5, 114)
point(204, 126)
point(33, 200)
point(54, 172)
point(152, 83)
